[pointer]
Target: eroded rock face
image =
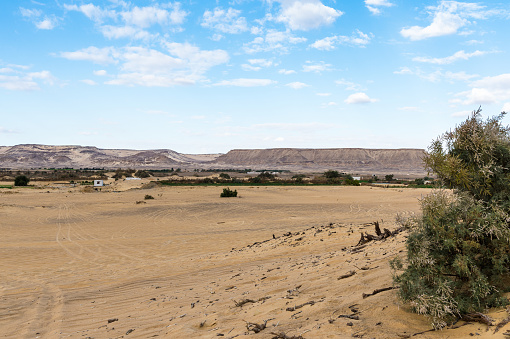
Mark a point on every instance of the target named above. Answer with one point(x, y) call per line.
point(347, 159)
point(40, 156)
point(357, 160)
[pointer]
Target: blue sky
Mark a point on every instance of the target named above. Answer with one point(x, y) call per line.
point(211, 76)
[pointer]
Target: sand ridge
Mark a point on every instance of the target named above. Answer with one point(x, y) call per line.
point(189, 264)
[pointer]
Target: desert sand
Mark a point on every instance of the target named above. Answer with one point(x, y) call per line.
point(189, 264)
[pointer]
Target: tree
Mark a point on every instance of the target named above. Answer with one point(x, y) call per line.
point(331, 174)
point(388, 177)
point(224, 176)
point(21, 180)
point(458, 253)
point(141, 174)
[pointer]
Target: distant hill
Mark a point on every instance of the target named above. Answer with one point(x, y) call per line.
point(43, 156)
point(353, 160)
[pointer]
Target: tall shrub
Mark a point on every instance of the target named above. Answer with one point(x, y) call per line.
point(458, 252)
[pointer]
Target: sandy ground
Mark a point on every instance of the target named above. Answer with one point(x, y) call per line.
point(189, 264)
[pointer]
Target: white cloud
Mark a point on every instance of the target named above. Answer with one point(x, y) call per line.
point(307, 14)
point(34, 15)
point(180, 64)
point(359, 98)
point(18, 79)
point(147, 16)
point(373, 5)
point(461, 76)
point(317, 68)
point(100, 72)
point(261, 62)
point(118, 32)
point(448, 18)
point(96, 55)
point(474, 42)
point(286, 71)
point(358, 38)
point(323, 94)
point(248, 67)
point(437, 76)
point(134, 21)
point(488, 90)
point(272, 41)
point(4, 130)
point(89, 82)
point(257, 64)
point(242, 82)
point(460, 55)
point(351, 86)
point(329, 104)
point(228, 21)
point(297, 85)
point(45, 76)
point(409, 109)
point(30, 13)
point(93, 12)
point(404, 70)
point(506, 107)
point(47, 23)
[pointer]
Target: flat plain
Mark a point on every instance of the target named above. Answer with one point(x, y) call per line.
point(189, 264)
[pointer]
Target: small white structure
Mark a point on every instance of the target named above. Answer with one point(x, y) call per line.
point(98, 183)
point(356, 178)
point(133, 178)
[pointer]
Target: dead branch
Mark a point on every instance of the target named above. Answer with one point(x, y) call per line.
point(282, 335)
point(243, 302)
point(347, 275)
point(379, 290)
point(292, 309)
point(377, 229)
point(501, 324)
point(353, 317)
point(379, 235)
point(246, 301)
point(256, 327)
point(478, 317)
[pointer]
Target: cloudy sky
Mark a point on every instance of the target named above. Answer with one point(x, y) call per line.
point(210, 76)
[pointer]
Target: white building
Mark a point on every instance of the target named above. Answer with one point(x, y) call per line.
point(98, 183)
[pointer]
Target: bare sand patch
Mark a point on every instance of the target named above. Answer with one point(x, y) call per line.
point(190, 264)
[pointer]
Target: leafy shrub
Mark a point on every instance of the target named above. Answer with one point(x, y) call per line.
point(458, 253)
point(228, 193)
point(141, 174)
point(351, 182)
point(388, 177)
point(148, 197)
point(21, 180)
point(224, 176)
point(331, 174)
point(266, 176)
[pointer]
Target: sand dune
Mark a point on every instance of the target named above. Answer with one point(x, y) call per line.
point(189, 264)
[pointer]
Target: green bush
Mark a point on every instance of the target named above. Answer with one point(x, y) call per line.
point(141, 174)
point(351, 182)
point(458, 253)
point(388, 177)
point(148, 197)
point(228, 193)
point(331, 174)
point(224, 176)
point(21, 180)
